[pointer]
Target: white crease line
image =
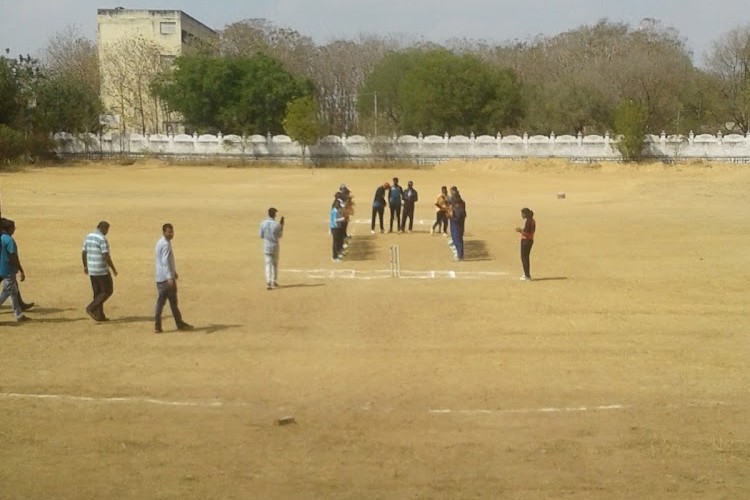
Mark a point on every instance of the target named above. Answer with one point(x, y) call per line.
point(120, 399)
point(386, 273)
point(530, 410)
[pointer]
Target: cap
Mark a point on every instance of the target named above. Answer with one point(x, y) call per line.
point(272, 211)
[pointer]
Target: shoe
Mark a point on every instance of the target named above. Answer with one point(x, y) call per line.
point(103, 319)
point(336, 260)
point(275, 284)
point(158, 330)
point(91, 314)
point(525, 278)
point(26, 307)
point(346, 245)
point(185, 327)
point(432, 230)
point(22, 318)
point(269, 287)
point(372, 231)
point(408, 230)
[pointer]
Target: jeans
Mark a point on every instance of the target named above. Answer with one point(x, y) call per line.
point(526, 256)
point(395, 213)
point(103, 289)
point(441, 222)
point(457, 236)
point(408, 214)
point(166, 292)
point(10, 289)
point(379, 212)
point(272, 267)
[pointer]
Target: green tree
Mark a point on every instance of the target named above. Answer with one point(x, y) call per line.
point(231, 94)
point(630, 121)
point(302, 124)
point(11, 108)
point(436, 91)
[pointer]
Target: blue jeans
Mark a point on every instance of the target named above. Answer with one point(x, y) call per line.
point(10, 289)
point(166, 292)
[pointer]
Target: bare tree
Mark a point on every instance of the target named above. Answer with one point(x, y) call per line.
point(729, 60)
point(129, 69)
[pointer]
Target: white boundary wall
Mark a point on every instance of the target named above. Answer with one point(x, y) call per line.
point(421, 149)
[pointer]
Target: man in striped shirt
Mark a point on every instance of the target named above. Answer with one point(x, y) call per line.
point(96, 263)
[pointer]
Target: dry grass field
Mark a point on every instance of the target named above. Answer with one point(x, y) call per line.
point(621, 371)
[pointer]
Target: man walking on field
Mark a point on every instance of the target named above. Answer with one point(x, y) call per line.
point(96, 263)
point(10, 266)
point(271, 231)
point(166, 280)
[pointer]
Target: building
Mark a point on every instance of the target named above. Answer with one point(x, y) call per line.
point(135, 46)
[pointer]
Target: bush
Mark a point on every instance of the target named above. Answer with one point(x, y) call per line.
point(630, 121)
point(12, 144)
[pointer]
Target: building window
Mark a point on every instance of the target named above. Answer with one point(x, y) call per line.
point(167, 28)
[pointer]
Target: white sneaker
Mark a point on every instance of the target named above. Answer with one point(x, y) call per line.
point(346, 245)
point(525, 278)
point(432, 230)
point(372, 231)
point(335, 260)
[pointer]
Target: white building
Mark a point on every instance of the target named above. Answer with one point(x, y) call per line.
point(134, 47)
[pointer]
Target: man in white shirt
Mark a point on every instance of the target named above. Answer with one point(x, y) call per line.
point(271, 231)
point(166, 280)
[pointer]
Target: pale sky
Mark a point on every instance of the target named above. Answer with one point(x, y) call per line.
point(27, 25)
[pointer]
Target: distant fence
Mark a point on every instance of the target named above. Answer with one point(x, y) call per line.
point(418, 149)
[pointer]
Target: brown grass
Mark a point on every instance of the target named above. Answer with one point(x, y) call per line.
point(640, 301)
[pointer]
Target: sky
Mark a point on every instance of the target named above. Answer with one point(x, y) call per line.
point(26, 26)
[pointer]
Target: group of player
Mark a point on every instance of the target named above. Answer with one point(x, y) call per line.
point(450, 218)
point(450, 209)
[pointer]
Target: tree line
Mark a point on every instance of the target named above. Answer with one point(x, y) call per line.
point(262, 78)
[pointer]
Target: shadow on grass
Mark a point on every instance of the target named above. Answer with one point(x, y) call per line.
point(361, 248)
point(476, 250)
point(300, 285)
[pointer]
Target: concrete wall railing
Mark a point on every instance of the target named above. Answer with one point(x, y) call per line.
point(420, 149)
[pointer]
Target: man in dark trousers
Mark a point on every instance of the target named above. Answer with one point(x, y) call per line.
point(97, 263)
point(378, 206)
point(410, 198)
point(395, 194)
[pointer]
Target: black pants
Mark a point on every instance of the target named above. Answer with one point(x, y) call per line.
point(379, 211)
point(441, 222)
point(525, 256)
point(338, 241)
point(395, 213)
point(166, 292)
point(103, 289)
point(408, 214)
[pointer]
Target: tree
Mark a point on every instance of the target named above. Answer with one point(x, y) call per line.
point(729, 61)
point(130, 67)
point(630, 121)
point(302, 124)
point(68, 98)
point(239, 94)
point(9, 93)
point(436, 91)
